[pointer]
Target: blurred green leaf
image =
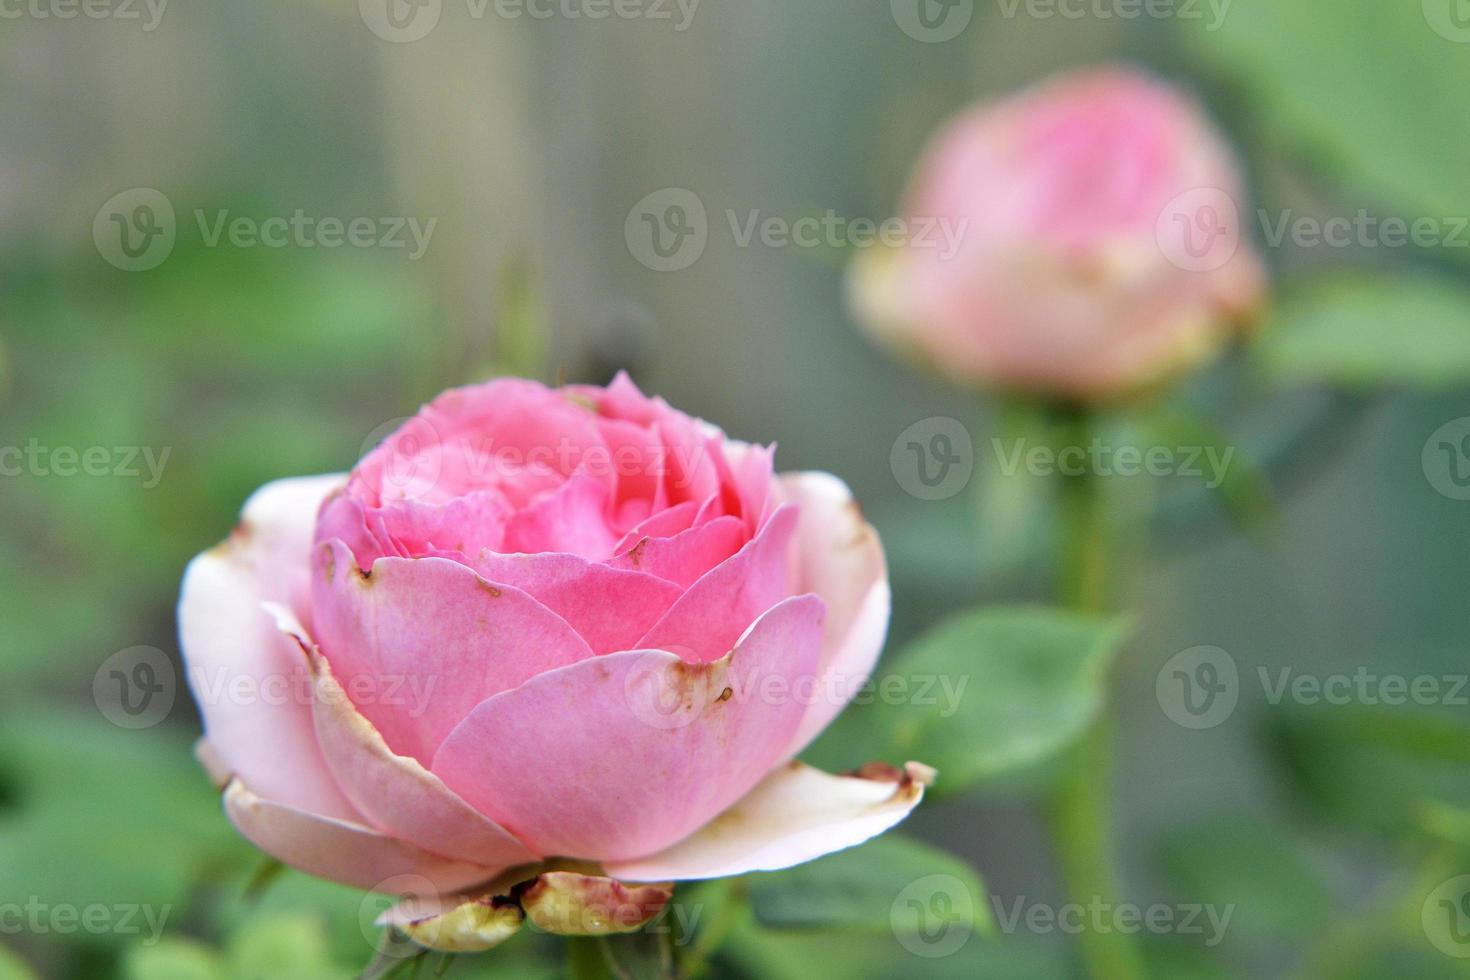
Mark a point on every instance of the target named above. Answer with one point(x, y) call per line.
point(1360, 333)
point(1374, 770)
point(1368, 87)
point(1245, 489)
point(1241, 862)
point(12, 967)
point(174, 959)
point(886, 885)
point(283, 947)
point(153, 832)
point(764, 954)
point(985, 695)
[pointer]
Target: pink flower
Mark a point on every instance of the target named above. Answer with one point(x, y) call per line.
point(535, 625)
point(1099, 246)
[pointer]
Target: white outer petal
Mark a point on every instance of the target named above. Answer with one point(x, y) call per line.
point(838, 556)
point(795, 815)
point(344, 851)
point(246, 676)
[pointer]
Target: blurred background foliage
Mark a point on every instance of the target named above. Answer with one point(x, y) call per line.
point(529, 141)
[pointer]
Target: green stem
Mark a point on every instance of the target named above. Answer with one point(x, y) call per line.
point(585, 959)
point(1081, 810)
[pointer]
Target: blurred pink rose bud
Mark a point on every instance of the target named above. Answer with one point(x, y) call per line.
point(1092, 243)
point(541, 624)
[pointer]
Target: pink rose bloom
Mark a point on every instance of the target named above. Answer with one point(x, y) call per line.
point(542, 624)
point(1094, 246)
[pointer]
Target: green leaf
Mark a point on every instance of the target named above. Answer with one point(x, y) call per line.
point(1238, 861)
point(1368, 87)
point(158, 834)
point(1361, 333)
point(791, 955)
point(1244, 490)
point(12, 967)
point(873, 888)
point(1375, 770)
point(174, 959)
point(986, 695)
point(284, 947)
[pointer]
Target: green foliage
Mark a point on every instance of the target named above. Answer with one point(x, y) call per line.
point(1369, 88)
point(986, 695)
point(1375, 770)
point(1405, 329)
point(864, 889)
point(13, 968)
point(1240, 861)
point(150, 832)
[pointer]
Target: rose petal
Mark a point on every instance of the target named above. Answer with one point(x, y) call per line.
point(711, 616)
point(565, 903)
point(795, 815)
point(609, 608)
point(434, 628)
point(624, 754)
point(689, 555)
point(231, 646)
point(841, 560)
point(395, 793)
point(340, 850)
